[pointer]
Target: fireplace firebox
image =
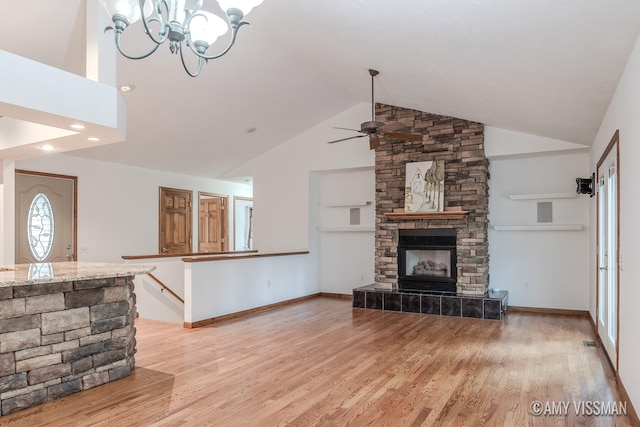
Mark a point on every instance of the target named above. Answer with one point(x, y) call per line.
point(427, 260)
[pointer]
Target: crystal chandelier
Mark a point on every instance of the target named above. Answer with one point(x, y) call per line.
point(170, 20)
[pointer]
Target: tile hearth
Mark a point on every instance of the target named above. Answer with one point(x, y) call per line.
point(493, 305)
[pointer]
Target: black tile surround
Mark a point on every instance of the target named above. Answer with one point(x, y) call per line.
point(491, 306)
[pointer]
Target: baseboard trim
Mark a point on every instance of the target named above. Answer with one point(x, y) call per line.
point(214, 320)
point(540, 310)
point(332, 295)
point(624, 396)
point(593, 324)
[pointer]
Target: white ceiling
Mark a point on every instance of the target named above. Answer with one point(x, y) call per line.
point(543, 67)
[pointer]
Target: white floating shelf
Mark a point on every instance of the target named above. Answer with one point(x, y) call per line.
point(353, 204)
point(548, 227)
point(348, 229)
point(542, 196)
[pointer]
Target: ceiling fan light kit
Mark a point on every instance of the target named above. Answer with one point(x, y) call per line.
point(374, 129)
point(198, 29)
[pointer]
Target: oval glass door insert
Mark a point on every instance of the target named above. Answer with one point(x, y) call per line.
point(40, 227)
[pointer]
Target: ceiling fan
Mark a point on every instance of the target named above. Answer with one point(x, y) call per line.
point(374, 129)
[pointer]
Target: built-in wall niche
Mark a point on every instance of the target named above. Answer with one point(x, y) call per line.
point(351, 216)
point(346, 201)
point(243, 223)
point(342, 211)
point(543, 207)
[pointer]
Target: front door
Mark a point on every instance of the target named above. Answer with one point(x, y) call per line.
point(175, 221)
point(212, 225)
point(45, 213)
point(608, 265)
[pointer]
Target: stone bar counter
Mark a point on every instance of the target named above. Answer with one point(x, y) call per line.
point(64, 327)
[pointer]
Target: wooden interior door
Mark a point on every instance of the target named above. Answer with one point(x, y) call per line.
point(175, 221)
point(45, 217)
point(212, 225)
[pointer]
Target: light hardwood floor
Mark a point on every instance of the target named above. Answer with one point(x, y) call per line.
point(320, 362)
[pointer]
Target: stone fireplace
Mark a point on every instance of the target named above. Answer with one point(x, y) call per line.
point(460, 143)
point(433, 262)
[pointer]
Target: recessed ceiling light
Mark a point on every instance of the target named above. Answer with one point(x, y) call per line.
point(77, 126)
point(126, 87)
point(47, 147)
point(93, 138)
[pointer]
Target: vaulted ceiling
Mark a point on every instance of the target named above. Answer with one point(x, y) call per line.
point(543, 67)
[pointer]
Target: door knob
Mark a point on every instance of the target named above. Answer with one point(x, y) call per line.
point(165, 250)
point(603, 268)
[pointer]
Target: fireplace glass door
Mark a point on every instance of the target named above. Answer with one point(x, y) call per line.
point(428, 263)
point(427, 260)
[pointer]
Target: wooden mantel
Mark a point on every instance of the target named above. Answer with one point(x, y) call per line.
point(449, 213)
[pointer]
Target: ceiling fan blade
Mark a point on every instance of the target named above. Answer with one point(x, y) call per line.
point(345, 139)
point(374, 141)
point(355, 130)
point(405, 136)
point(391, 127)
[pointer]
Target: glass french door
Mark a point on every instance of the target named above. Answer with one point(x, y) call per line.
point(607, 314)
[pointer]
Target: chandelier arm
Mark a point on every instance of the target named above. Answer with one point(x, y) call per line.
point(197, 7)
point(117, 40)
point(234, 35)
point(184, 65)
point(163, 33)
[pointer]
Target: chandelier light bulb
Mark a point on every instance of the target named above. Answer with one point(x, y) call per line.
point(176, 11)
point(207, 27)
point(130, 9)
point(245, 6)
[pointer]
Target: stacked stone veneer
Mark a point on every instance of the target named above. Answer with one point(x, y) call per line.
point(460, 143)
point(61, 338)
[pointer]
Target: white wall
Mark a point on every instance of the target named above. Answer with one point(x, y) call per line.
point(217, 288)
point(503, 142)
point(118, 205)
point(152, 302)
point(287, 191)
point(7, 211)
point(623, 114)
point(281, 178)
point(548, 269)
point(347, 252)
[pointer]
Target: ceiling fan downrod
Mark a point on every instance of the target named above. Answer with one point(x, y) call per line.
point(374, 130)
point(373, 73)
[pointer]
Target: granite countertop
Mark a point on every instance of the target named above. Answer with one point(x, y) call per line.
point(50, 272)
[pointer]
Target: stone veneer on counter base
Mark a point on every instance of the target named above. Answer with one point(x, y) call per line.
point(64, 337)
point(460, 143)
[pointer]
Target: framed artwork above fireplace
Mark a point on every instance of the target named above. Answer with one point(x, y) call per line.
point(424, 186)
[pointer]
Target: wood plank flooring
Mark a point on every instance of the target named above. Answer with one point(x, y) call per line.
point(321, 362)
